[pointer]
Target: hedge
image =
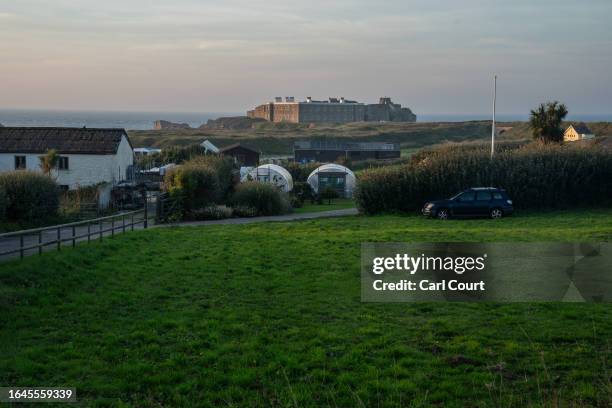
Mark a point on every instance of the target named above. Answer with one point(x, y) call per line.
point(3, 203)
point(535, 176)
point(29, 195)
point(261, 198)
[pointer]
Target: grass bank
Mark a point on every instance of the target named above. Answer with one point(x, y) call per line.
point(270, 315)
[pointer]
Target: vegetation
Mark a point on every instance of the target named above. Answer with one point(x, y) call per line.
point(337, 204)
point(3, 203)
point(329, 194)
point(261, 198)
point(545, 122)
point(270, 315)
point(29, 195)
point(535, 176)
point(49, 161)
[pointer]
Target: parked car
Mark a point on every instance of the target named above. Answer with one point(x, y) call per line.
point(481, 201)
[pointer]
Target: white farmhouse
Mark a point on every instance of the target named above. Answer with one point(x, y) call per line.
point(577, 132)
point(88, 156)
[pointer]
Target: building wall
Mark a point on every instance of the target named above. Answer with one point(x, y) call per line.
point(83, 169)
point(286, 112)
point(331, 112)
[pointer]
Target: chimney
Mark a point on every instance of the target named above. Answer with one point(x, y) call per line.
point(278, 99)
point(342, 99)
point(309, 99)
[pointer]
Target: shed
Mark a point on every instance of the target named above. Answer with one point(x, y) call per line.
point(242, 155)
point(333, 175)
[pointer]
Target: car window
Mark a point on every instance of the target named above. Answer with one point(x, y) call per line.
point(468, 196)
point(497, 196)
point(483, 196)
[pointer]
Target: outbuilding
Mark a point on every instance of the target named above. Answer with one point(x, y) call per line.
point(271, 173)
point(242, 155)
point(335, 176)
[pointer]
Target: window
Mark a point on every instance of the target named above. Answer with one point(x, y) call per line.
point(63, 187)
point(63, 163)
point(483, 196)
point(469, 196)
point(497, 196)
point(20, 162)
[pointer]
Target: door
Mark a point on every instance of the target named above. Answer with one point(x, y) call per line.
point(482, 204)
point(464, 204)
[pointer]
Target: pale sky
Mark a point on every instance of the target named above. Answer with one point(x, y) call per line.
point(435, 56)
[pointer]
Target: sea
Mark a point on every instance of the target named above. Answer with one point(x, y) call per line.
point(145, 120)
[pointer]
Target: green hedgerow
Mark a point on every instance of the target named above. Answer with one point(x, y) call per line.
point(29, 195)
point(265, 199)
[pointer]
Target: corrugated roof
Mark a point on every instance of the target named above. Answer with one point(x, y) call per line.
point(63, 139)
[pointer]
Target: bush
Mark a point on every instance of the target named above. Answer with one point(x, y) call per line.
point(264, 198)
point(328, 194)
point(3, 203)
point(194, 185)
point(211, 212)
point(29, 195)
point(300, 172)
point(301, 192)
point(535, 176)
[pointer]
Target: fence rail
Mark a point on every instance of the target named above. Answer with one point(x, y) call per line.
point(35, 239)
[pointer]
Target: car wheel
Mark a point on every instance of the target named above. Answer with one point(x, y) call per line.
point(442, 214)
point(496, 213)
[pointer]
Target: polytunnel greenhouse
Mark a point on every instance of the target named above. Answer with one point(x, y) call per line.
point(271, 173)
point(336, 176)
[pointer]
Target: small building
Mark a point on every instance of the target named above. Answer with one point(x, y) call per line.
point(242, 155)
point(88, 156)
point(577, 132)
point(270, 173)
point(335, 176)
point(326, 151)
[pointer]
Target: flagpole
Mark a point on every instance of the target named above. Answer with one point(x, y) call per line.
point(493, 126)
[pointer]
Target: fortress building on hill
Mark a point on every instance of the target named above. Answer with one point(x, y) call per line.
point(333, 110)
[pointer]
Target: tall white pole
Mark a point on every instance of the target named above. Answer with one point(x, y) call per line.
point(493, 126)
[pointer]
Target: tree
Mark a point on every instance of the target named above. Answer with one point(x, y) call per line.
point(49, 161)
point(545, 122)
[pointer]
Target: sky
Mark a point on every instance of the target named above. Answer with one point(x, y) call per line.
point(434, 56)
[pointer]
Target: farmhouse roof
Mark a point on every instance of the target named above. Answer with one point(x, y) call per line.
point(582, 128)
point(65, 140)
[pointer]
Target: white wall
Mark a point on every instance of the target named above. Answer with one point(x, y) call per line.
point(83, 169)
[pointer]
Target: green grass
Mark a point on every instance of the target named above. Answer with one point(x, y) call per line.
point(336, 204)
point(270, 315)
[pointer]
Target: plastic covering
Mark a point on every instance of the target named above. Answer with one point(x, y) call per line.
point(270, 173)
point(333, 169)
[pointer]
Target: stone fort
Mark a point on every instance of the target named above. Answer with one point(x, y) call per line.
point(333, 110)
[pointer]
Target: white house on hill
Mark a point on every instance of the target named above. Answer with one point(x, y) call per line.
point(88, 156)
point(577, 132)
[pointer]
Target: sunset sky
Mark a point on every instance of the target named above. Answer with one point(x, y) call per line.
point(435, 56)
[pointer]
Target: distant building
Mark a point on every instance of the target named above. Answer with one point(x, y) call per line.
point(88, 156)
point(577, 132)
point(325, 151)
point(333, 110)
point(145, 151)
point(242, 156)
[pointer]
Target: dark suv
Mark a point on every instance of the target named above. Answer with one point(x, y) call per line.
point(482, 201)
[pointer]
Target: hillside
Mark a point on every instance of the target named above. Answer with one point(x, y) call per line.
point(278, 139)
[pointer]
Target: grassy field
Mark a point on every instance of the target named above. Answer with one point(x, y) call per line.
point(278, 139)
point(270, 315)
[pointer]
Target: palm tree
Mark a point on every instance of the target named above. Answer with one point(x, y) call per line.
point(49, 161)
point(545, 122)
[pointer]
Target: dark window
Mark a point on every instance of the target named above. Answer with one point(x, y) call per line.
point(20, 162)
point(497, 196)
point(63, 163)
point(483, 196)
point(469, 196)
point(63, 187)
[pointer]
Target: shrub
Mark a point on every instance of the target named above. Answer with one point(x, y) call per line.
point(328, 194)
point(265, 198)
point(301, 192)
point(242, 211)
point(211, 212)
point(300, 172)
point(29, 195)
point(535, 176)
point(3, 203)
point(194, 185)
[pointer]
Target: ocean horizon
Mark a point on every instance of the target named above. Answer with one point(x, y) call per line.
point(144, 120)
